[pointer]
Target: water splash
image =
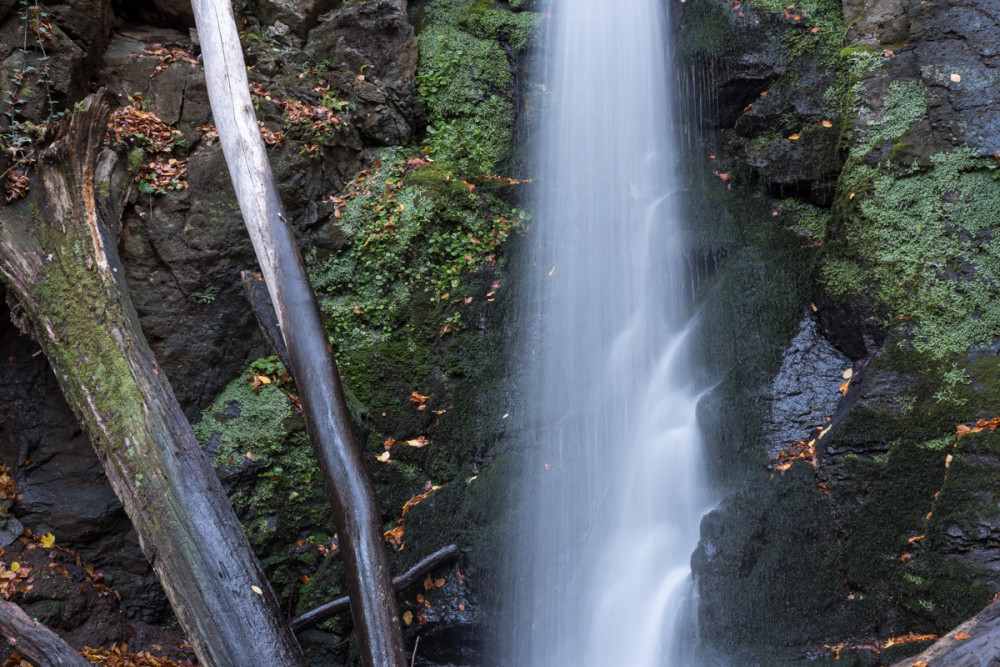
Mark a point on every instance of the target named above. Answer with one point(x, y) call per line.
point(619, 488)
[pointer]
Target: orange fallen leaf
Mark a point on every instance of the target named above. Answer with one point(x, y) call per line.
point(947, 460)
point(438, 583)
point(826, 123)
point(395, 536)
point(962, 635)
point(914, 540)
point(428, 583)
point(418, 442)
point(794, 137)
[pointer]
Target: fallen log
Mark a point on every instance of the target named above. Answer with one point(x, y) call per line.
point(349, 487)
point(975, 643)
point(405, 580)
point(35, 642)
point(58, 256)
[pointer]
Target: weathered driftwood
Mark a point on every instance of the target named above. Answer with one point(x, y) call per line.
point(981, 648)
point(35, 642)
point(58, 255)
point(405, 580)
point(352, 495)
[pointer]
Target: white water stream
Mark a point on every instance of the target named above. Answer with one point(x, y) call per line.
point(619, 475)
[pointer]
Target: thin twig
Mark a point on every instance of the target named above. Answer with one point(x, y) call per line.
point(405, 580)
point(413, 658)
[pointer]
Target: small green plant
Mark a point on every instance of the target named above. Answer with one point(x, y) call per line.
point(206, 295)
point(268, 366)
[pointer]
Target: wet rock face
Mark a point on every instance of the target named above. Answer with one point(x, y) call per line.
point(805, 391)
point(372, 48)
point(911, 97)
point(959, 38)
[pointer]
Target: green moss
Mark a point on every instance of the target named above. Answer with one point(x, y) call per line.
point(134, 158)
point(904, 104)
point(921, 238)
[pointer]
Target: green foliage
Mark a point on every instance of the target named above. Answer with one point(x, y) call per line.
point(414, 234)
point(464, 79)
point(920, 242)
point(268, 366)
point(904, 104)
point(206, 295)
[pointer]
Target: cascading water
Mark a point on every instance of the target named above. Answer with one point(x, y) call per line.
point(619, 481)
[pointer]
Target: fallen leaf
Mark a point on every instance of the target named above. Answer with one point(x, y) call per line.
point(916, 539)
point(438, 583)
point(794, 137)
point(957, 78)
point(418, 442)
point(947, 460)
point(383, 457)
point(962, 635)
point(407, 617)
point(395, 536)
point(848, 374)
point(826, 123)
point(257, 590)
point(428, 583)
point(47, 540)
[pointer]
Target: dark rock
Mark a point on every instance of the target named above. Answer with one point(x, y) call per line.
point(297, 17)
point(183, 257)
point(879, 21)
point(372, 50)
point(171, 13)
point(959, 38)
point(57, 473)
point(10, 529)
point(805, 392)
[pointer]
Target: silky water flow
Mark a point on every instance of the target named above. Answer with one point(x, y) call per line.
point(616, 468)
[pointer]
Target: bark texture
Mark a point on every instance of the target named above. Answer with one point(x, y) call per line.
point(35, 642)
point(58, 256)
point(979, 645)
point(352, 495)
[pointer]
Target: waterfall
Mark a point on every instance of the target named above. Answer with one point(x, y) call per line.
point(615, 467)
